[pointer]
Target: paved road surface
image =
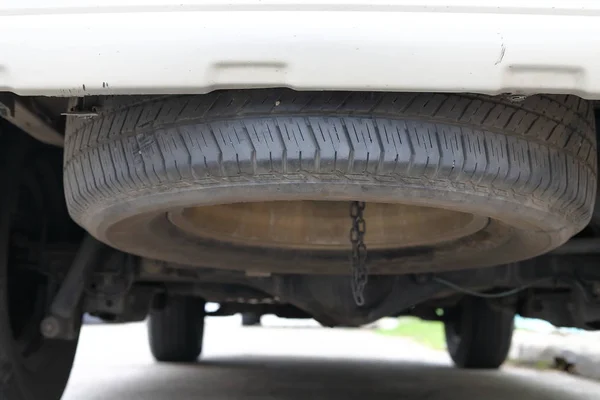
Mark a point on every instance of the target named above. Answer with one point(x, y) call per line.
point(296, 363)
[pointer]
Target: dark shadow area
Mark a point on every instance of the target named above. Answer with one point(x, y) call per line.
point(283, 378)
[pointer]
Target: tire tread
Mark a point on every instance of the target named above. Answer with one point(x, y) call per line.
point(542, 149)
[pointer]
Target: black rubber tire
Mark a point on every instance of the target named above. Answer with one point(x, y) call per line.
point(478, 335)
point(529, 166)
point(250, 319)
point(175, 332)
point(31, 367)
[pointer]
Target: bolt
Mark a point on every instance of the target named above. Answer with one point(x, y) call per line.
point(516, 98)
point(50, 327)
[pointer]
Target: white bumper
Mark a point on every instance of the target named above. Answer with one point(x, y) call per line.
point(91, 47)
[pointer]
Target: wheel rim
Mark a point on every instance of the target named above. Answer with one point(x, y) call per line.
point(323, 225)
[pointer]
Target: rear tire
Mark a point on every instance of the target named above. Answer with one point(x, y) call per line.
point(477, 335)
point(31, 205)
point(176, 330)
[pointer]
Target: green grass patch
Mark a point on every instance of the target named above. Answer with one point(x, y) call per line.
point(540, 365)
point(429, 333)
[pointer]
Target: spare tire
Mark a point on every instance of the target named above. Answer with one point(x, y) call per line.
point(243, 179)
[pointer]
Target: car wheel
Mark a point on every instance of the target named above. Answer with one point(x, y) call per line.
point(251, 179)
point(250, 319)
point(31, 365)
point(176, 329)
point(478, 335)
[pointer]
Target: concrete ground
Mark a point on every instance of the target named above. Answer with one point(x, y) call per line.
point(297, 362)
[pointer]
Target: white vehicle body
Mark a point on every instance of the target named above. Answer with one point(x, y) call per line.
point(75, 48)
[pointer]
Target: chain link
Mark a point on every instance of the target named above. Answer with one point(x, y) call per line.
point(360, 272)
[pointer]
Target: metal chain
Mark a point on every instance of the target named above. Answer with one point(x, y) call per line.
point(360, 272)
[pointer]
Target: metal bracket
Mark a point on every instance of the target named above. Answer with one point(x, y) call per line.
point(16, 112)
point(110, 285)
point(82, 107)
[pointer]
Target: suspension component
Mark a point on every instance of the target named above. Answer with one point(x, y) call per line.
point(62, 321)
